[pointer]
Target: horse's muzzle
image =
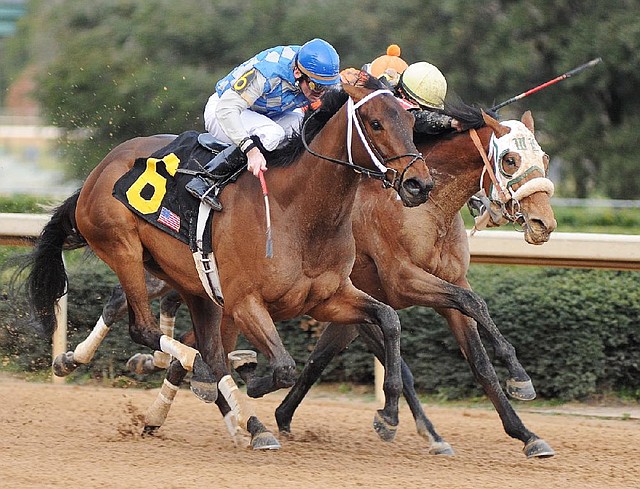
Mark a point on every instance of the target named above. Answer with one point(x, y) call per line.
point(415, 191)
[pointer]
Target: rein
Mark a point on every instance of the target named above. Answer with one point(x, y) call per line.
point(516, 216)
point(353, 119)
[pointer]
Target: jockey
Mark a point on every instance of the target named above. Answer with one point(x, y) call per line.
point(425, 87)
point(420, 87)
point(258, 105)
point(388, 67)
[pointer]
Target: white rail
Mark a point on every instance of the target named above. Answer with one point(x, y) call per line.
point(613, 251)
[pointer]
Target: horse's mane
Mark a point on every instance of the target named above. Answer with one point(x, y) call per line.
point(313, 122)
point(332, 100)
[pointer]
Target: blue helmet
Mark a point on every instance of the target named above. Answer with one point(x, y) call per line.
point(318, 60)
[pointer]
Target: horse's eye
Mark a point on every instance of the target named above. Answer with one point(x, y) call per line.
point(375, 125)
point(510, 165)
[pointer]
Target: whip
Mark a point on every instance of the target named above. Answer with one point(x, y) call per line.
point(265, 193)
point(564, 76)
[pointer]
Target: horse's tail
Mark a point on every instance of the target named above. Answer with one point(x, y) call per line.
point(47, 280)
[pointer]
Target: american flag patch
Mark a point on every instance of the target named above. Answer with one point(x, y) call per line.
point(169, 219)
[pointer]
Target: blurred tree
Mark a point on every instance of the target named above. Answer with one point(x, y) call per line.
point(125, 68)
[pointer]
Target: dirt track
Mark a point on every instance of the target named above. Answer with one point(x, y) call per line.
point(69, 436)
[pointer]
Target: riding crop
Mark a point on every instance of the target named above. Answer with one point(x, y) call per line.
point(265, 193)
point(564, 76)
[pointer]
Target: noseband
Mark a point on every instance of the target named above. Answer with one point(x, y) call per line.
point(507, 200)
point(354, 120)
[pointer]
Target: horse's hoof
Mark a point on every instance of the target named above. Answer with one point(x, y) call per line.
point(538, 448)
point(441, 448)
point(286, 434)
point(265, 441)
point(521, 390)
point(150, 430)
point(64, 364)
point(238, 358)
point(141, 364)
point(203, 383)
point(385, 430)
point(205, 391)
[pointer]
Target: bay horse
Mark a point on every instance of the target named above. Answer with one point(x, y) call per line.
point(312, 190)
point(421, 257)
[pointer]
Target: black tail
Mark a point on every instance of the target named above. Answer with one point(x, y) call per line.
point(47, 281)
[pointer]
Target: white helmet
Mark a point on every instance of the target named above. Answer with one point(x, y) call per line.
point(425, 83)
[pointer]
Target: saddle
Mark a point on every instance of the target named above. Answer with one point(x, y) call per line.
point(206, 140)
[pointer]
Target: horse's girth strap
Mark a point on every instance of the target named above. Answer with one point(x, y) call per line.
point(487, 164)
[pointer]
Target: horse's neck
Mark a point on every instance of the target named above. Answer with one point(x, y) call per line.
point(325, 188)
point(456, 168)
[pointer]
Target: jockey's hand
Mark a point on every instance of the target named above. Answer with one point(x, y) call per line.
point(255, 161)
point(457, 125)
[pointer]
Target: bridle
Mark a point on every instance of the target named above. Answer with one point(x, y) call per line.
point(505, 199)
point(388, 176)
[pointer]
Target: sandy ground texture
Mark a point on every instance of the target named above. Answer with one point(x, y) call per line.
point(55, 436)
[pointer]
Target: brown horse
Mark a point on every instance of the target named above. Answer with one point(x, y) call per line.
point(421, 257)
point(312, 194)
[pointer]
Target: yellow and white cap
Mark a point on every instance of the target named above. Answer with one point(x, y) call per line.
point(425, 83)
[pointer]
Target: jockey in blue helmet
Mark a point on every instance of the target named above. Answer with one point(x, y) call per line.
point(259, 103)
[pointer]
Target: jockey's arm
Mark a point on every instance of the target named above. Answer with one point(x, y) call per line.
point(231, 104)
point(429, 122)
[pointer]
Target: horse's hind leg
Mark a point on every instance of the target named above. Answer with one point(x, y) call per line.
point(473, 350)
point(114, 309)
point(157, 413)
point(332, 341)
point(170, 302)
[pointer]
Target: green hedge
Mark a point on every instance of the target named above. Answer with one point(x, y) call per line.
point(577, 332)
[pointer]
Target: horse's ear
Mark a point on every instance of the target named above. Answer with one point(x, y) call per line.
point(498, 128)
point(527, 120)
point(354, 92)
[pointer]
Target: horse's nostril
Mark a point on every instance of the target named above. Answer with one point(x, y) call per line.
point(415, 187)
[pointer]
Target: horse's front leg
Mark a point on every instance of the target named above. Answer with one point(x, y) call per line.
point(253, 320)
point(476, 355)
point(411, 285)
point(206, 317)
point(437, 445)
point(518, 385)
point(352, 306)
point(470, 306)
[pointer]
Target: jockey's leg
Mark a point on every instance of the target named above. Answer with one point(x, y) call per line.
point(227, 161)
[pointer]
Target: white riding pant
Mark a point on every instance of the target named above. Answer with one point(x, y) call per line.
point(271, 131)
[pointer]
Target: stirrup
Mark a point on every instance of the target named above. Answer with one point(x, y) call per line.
point(211, 199)
point(202, 190)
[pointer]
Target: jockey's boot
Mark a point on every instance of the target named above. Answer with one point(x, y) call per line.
point(203, 187)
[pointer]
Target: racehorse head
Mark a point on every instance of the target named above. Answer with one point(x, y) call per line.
point(516, 180)
point(384, 143)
